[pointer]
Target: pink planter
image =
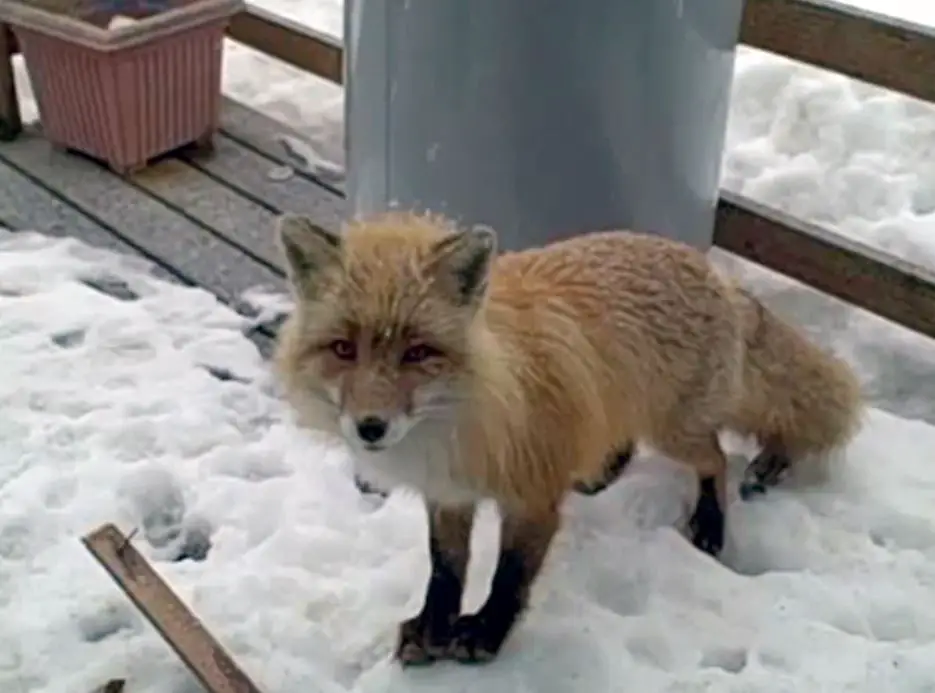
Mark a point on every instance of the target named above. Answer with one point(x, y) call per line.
point(130, 93)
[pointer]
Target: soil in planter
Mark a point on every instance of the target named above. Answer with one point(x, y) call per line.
point(101, 13)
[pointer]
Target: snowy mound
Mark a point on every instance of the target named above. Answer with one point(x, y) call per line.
point(127, 399)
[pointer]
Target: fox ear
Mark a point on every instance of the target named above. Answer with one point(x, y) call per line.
point(468, 255)
point(308, 249)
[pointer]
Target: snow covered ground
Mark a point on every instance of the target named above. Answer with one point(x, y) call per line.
point(111, 413)
point(155, 411)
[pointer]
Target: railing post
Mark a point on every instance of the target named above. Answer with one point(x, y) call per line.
point(541, 121)
point(10, 120)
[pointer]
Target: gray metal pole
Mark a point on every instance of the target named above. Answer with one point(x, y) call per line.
point(541, 118)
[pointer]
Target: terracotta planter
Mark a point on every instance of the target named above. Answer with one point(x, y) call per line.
point(124, 80)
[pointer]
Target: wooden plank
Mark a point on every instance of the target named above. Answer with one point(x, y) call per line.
point(198, 254)
point(882, 50)
point(247, 172)
point(185, 189)
point(11, 123)
point(211, 664)
point(855, 272)
point(289, 41)
point(262, 134)
point(27, 206)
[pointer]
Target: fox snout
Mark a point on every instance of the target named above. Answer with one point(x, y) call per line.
point(374, 432)
point(371, 429)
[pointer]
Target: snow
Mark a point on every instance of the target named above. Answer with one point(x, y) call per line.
point(151, 409)
point(303, 578)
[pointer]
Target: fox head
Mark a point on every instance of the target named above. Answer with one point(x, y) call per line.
point(383, 320)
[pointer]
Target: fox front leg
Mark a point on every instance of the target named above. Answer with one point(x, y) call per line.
point(427, 637)
point(524, 543)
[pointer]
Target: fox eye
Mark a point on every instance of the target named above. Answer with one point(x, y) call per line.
point(418, 353)
point(344, 349)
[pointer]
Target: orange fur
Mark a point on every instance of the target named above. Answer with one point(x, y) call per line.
point(517, 378)
point(575, 348)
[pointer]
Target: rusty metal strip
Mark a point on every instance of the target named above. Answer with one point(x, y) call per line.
point(178, 626)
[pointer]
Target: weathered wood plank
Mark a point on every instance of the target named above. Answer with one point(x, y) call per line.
point(10, 122)
point(205, 657)
point(27, 206)
point(185, 189)
point(289, 41)
point(200, 256)
point(882, 50)
point(261, 133)
point(864, 276)
point(247, 172)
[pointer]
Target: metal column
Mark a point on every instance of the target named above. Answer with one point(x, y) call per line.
point(541, 118)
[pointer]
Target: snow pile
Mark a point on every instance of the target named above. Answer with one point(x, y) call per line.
point(128, 399)
point(840, 153)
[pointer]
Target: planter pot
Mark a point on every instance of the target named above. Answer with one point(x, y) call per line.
point(123, 81)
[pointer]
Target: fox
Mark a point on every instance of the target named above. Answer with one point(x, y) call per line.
point(467, 375)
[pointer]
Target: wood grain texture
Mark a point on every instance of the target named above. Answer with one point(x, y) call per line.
point(200, 255)
point(211, 664)
point(297, 45)
point(880, 282)
point(885, 51)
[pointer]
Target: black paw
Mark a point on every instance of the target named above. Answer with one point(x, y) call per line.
point(475, 639)
point(366, 488)
point(707, 522)
point(749, 489)
point(589, 488)
point(766, 469)
point(419, 643)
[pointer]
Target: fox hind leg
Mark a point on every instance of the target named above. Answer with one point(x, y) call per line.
point(765, 470)
point(707, 525)
point(614, 467)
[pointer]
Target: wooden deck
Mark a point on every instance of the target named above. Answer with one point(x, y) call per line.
point(204, 220)
point(206, 208)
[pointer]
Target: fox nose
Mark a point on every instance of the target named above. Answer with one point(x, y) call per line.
point(371, 429)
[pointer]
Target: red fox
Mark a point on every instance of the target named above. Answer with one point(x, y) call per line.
point(468, 374)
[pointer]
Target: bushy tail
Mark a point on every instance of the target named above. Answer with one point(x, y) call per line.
point(798, 400)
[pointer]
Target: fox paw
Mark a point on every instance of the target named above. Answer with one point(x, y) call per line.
point(474, 640)
point(366, 488)
point(418, 643)
point(767, 469)
point(707, 523)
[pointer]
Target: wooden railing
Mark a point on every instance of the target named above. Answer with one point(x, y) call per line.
point(887, 52)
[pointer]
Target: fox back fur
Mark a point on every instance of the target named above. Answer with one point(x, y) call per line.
point(513, 376)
